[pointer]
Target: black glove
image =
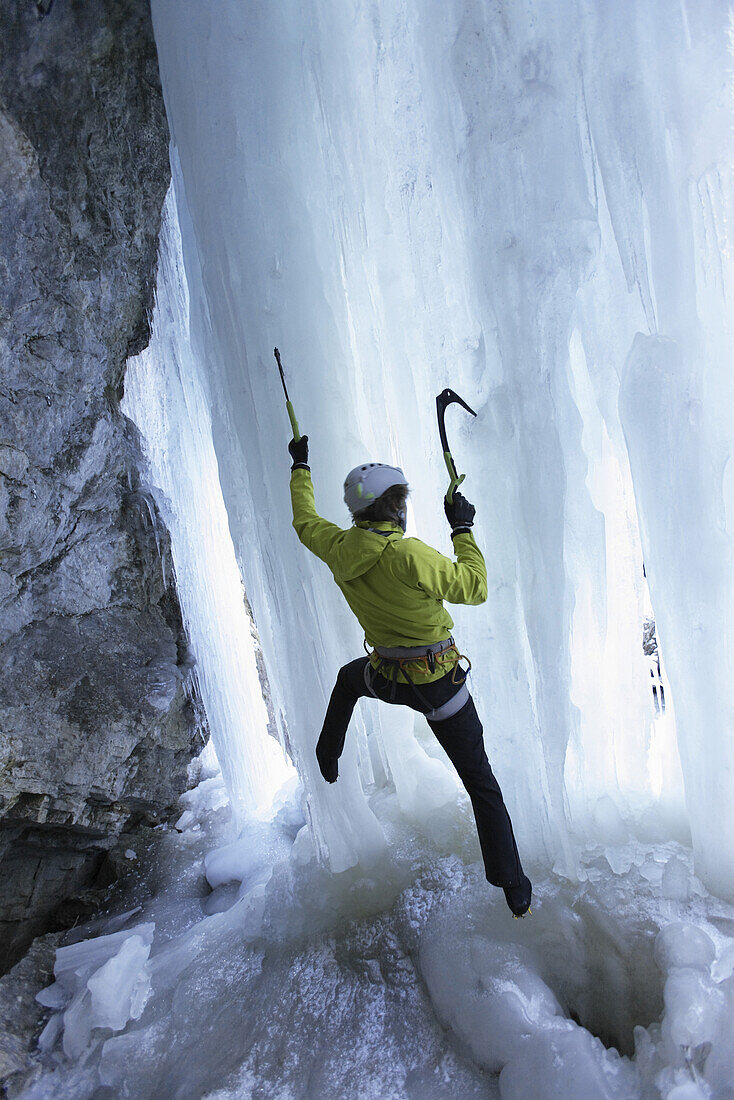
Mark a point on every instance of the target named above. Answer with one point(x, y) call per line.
point(328, 765)
point(299, 452)
point(460, 513)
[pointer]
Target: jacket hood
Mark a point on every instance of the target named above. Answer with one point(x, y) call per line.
point(361, 548)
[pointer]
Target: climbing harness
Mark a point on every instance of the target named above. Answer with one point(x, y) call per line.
point(426, 658)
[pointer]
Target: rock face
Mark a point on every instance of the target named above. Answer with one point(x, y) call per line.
point(96, 728)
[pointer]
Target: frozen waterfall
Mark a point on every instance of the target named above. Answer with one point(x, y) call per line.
point(528, 206)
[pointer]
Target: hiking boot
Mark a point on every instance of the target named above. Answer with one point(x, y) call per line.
point(518, 897)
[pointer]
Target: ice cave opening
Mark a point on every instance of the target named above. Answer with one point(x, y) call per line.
point(531, 204)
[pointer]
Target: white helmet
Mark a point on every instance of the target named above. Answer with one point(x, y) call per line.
point(366, 483)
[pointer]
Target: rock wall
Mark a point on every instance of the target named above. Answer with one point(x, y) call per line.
point(96, 728)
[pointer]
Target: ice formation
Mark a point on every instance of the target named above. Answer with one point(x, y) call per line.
point(529, 203)
point(166, 397)
point(100, 983)
point(456, 195)
point(412, 982)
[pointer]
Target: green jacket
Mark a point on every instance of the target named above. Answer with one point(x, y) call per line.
point(394, 585)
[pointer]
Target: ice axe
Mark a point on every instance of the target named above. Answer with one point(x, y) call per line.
point(442, 403)
point(289, 407)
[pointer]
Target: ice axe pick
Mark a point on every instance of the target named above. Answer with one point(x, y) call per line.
point(444, 399)
point(289, 407)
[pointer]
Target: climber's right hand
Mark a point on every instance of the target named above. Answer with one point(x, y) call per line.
point(299, 451)
point(459, 512)
point(328, 765)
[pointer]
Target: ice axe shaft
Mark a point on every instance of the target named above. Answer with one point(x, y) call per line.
point(289, 407)
point(444, 399)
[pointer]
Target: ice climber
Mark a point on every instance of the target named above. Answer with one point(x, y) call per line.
point(396, 587)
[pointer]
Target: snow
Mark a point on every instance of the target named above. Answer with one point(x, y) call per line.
point(529, 203)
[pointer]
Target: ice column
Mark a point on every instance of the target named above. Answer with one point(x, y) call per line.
point(677, 403)
point(165, 398)
point(670, 195)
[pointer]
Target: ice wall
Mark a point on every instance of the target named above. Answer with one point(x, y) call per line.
point(499, 198)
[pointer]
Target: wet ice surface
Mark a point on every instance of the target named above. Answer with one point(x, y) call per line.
point(407, 979)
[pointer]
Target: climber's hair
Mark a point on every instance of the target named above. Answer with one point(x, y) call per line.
point(387, 508)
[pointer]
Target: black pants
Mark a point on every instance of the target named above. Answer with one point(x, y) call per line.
point(461, 738)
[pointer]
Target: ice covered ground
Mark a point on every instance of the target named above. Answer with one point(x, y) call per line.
point(277, 979)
